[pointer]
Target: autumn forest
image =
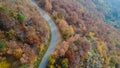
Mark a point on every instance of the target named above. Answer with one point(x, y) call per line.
point(59, 34)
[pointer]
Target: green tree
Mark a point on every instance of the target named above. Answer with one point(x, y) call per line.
point(20, 17)
point(23, 66)
point(11, 34)
point(3, 9)
point(2, 44)
point(64, 63)
point(51, 66)
point(52, 59)
point(13, 14)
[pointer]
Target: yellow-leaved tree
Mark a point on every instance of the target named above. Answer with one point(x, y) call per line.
point(4, 64)
point(1, 4)
point(66, 30)
point(42, 47)
point(91, 35)
point(102, 49)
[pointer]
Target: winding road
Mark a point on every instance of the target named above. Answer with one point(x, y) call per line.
point(54, 38)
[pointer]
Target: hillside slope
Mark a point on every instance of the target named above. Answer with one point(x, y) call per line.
point(88, 41)
point(24, 34)
point(105, 9)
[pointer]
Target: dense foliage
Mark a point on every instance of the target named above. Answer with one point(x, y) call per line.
point(108, 10)
point(24, 34)
point(89, 41)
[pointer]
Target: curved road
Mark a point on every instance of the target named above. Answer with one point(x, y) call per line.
point(54, 37)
